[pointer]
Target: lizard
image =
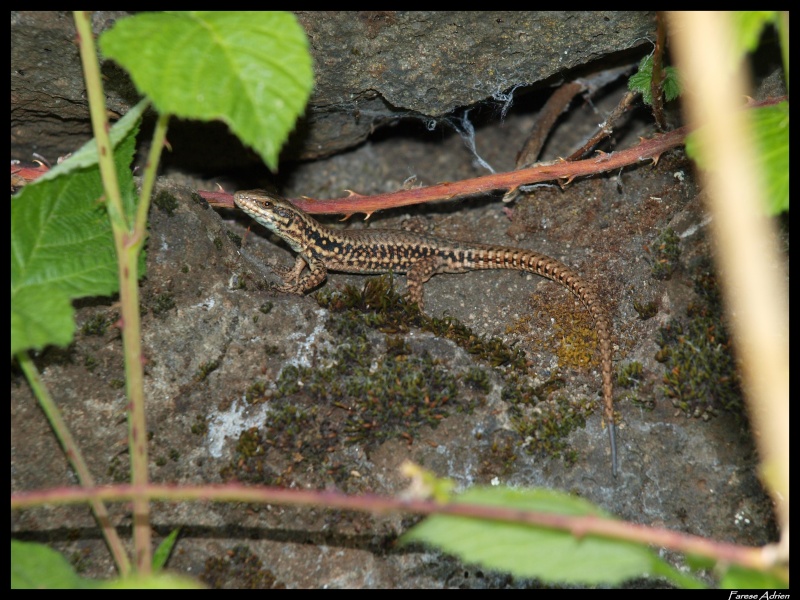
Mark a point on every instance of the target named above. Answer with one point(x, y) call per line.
point(419, 257)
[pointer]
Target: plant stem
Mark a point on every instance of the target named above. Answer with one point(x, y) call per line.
point(751, 267)
point(128, 244)
point(763, 558)
point(73, 452)
point(150, 171)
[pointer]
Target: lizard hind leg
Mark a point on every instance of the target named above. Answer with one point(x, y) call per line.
point(420, 272)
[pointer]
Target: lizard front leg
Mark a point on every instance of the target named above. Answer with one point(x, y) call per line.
point(293, 283)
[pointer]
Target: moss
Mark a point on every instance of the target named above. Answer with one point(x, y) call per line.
point(396, 346)
point(239, 567)
point(477, 379)
point(375, 388)
point(577, 347)
point(666, 254)
point(287, 382)
point(200, 425)
point(379, 306)
point(573, 339)
point(205, 369)
point(544, 424)
point(383, 395)
point(166, 202)
point(629, 375)
point(240, 282)
point(249, 443)
point(96, 325)
point(502, 456)
point(371, 389)
point(701, 376)
point(646, 310)
point(162, 303)
point(236, 239)
point(255, 394)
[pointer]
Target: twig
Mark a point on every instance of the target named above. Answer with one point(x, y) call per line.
point(606, 127)
point(556, 104)
point(657, 79)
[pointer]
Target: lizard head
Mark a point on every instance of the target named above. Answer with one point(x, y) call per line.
point(276, 214)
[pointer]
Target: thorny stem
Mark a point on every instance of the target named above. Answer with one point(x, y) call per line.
point(650, 149)
point(579, 526)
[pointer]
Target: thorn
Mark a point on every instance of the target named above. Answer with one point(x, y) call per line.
point(511, 194)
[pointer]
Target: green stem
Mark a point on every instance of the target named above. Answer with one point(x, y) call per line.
point(150, 172)
point(97, 111)
point(73, 452)
point(128, 244)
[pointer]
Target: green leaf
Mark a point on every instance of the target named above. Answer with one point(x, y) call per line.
point(87, 155)
point(641, 81)
point(156, 581)
point(747, 27)
point(672, 83)
point(161, 555)
point(36, 566)
point(62, 248)
point(251, 70)
point(530, 551)
point(771, 132)
point(740, 578)
point(770, 127)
